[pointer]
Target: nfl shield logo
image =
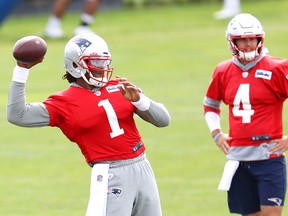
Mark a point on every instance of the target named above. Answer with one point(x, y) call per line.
point(99, 178)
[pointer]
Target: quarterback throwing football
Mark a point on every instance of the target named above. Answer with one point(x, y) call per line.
point(254, 85)
point(96, 112)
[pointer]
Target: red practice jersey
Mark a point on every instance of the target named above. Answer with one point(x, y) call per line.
point(101, 123)
point(255, 98)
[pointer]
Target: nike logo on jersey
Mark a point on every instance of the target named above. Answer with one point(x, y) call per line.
point(263, 74)
point(276, 200)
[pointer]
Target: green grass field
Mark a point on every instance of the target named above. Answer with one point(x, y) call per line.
point(170, 52)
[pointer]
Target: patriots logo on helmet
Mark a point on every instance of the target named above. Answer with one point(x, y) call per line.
point(115, 191)
point(82, 43)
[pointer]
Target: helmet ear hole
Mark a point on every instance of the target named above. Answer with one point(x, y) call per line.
point(74, 65)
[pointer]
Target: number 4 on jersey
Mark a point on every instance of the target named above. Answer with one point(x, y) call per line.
point(243, 97)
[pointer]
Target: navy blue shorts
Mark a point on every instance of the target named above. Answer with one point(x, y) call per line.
point(257, 183)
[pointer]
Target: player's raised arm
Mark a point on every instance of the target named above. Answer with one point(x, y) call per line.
point(28, 51)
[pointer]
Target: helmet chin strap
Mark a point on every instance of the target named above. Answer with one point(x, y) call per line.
point(95, 82)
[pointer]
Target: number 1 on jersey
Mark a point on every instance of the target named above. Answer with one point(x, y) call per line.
point(243, 97)
point(112, 118)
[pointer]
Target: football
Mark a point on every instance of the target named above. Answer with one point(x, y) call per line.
point(29, 49)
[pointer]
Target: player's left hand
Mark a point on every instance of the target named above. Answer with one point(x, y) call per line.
point(128, 90)
point(281, 146)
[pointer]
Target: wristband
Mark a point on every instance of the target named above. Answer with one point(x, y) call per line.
point(143, 103)
point(217, 136)
point(20, 74)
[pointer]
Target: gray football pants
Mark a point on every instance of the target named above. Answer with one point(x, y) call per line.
point(132, 189)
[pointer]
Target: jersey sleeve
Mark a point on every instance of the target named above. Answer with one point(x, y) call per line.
point(56, 109)
point(280, 84)
point(213, 97)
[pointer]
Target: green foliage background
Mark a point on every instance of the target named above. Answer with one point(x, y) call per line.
point(170, 52)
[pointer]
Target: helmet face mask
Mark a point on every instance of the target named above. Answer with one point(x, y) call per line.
point(99, 68)
point(245, 26)
point(88, 56)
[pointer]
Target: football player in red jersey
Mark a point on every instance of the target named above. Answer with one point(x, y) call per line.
point(96, 112)
point(254, 85)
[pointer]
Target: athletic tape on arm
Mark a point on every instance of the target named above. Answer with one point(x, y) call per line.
point(20, 74)
point(213, 121)
point(143, 104)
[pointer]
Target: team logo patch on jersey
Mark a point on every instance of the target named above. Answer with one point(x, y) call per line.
point(115, 191)
point(276, 200)
point(263, 74)
point(82, 43)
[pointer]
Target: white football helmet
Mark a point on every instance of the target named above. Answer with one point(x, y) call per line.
point(88, 54)
point(245, 26)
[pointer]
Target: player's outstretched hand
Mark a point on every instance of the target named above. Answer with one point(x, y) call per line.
point(28, 65)
point(128, 90)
